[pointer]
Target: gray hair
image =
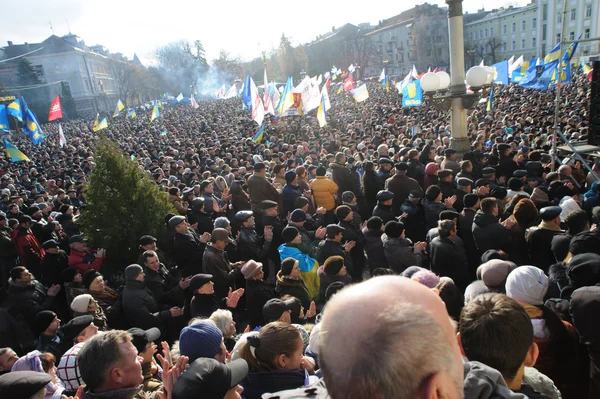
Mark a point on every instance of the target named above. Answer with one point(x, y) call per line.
point(395, 355)
point(445, 227)
point(221, 222)
point(222, 319)
point(99, 354)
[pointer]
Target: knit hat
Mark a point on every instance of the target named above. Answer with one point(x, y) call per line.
point(411, 270)
point(287, 265)
point(348, 196)
point(80, 303)
point(42, 321)
point(88, 277)
point(470, 200)
point(527, 284)
point(489, 255)
point(583, 270)
point(298, 215)
point(342, 211)
point(494, 272)
point(394, 229)
point(289, 233)
point(133, 271)
point(198, 280)
point(515, 184)
point(432, 193)
point(251, 268)
point(68, 275)
point(334, 288)
point(290, 175)
point(426, 277)
point(333, 264)
point(201, 339)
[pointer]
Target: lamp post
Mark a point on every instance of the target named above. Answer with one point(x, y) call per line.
point(449, 92)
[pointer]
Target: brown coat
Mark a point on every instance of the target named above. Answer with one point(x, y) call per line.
point(401, 186)
point(260, 189)
point(179, 204)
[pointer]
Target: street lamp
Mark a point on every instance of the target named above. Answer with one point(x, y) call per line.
point(449, 92)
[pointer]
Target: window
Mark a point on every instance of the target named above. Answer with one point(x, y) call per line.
point(534, 23)
point(514, 27)
point(544, 12)
point(492, 31)
point(558, 38)
point(522, 43)
point(559, 18)
point(439, 52)
point(481, 33)
point(588, 11)
point(587, 33)
point(573, 14)
point(504, 46)
point(471, 36)
point(486, 32)
point(544, 32)
point(572, 36)
point(533, 43)
point(514, 46)
point(504, 29)
point(523, 25)
point(428, 52)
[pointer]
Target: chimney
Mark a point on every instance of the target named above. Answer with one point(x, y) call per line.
point(10, 43)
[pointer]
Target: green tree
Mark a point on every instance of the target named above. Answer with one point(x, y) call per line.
point(37, 97)
point(123, 204)
point(67, 102)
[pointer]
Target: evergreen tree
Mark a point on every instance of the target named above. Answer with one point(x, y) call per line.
point(123, 204)
point(67, 102)
point(37, 98)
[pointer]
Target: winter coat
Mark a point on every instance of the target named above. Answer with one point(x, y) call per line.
point(372, 185)
point(180, 205)
point(384, 212)
point(84, 261)
point(416, 170)
point(481, 381)
point(432, 212)
point(259, 382)
point(401, 185)
point(343, 178)
point(189, 251)
point(164, 287)
point(29, 299)
point(448, 259)
point(288, 197)
point(257, 294)
point(252, 246)
point(217, 264)
point(508, 166)
point(260, 189)
point(324, 191)
point(353, 233)
point(448, 189)
point(539, 242)
point(489, 234)
point(52, 266)
point(140, 308)
point(29, 249)
point(414, 222)
point(399, 254)
point(205, 222)
point(328, 278)
point(375, 254)
point(287, 285)
point(203, 306)
point(452, 165)
point(329, 248)
point(7, 246)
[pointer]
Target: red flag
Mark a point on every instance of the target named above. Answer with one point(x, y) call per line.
point(344, 75)
point(435, 70)
point(421, 75)
point(327, 83)
point(55, 110)
point(589, 74)
point(349, 83)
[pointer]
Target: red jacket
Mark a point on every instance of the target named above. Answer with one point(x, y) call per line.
point(28, 247)
point(84, 261)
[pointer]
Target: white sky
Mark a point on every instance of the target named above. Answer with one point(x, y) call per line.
point(244, 28)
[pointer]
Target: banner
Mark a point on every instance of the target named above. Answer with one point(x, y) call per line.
point(412, 94)
point(4, 126)
point(501, 72)
point(55, 109)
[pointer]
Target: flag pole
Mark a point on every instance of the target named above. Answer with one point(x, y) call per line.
point(558, 84)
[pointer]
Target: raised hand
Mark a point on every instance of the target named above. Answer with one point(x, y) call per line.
point(349, 245)
point(234, 297)
point(320, 233)
point(52, 291)
point(205, 237)
point(312, 310)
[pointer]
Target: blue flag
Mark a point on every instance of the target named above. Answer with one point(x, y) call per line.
point(31, 125)
point(14, 109)
point(4, 126)
point(412, 94)
point(247, 94)
point(543, 80)
point(501, 72)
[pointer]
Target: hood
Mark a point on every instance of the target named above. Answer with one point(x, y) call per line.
point(287, 280)
point(534, 169)
point(483, 220)
point(13, 285)
point(483, 382)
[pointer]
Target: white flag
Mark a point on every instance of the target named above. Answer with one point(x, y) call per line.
point(481, 63)
point(414, 73)
point(193, 102)
point(258, 109)
point(382, 76)
point(61, 136)
point(268, 101)
point(232, 92)
point(515, 65)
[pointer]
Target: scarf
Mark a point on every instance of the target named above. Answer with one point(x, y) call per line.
point(549, 226)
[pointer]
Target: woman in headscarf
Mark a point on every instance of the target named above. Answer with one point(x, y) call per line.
point(525, 215)
point(42, 363)
point(431, 178)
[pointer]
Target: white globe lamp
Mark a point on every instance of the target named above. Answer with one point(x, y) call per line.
point(430, 82)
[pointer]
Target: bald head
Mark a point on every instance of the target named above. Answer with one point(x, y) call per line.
point(389, 337)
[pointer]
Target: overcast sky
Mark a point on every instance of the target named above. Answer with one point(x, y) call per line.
point(243, 28)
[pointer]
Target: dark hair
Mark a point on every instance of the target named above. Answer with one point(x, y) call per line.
point(382, 271)
point(321, 171)
point(147, 255)
point(277, 168)
point(452, 297)
point(274, 339)
point(496, 331)
point(488, 205)
point(375, 223)
point(15, 272)
point(296, 306)
point(577, 221)
point(445, 227)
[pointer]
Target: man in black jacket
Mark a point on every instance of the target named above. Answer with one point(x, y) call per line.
point(216, 263)
point(465, 231)
point(539, 238)
point(166, 289)
point(448, 259)
point(250, 244)
point(354, 234)
point(198, 217)
point(55, 261)
point(342, 175)
point(257, 292)
point(270, 218)
point(332, 246)
point(488, 233)
point(189, 247)
point(383, 209)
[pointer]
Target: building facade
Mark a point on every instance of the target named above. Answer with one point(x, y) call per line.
point(89, 74)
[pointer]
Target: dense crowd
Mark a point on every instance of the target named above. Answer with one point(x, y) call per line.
point(358, 260)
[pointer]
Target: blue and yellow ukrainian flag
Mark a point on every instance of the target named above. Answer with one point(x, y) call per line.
point(100, 125)
point(13, 153)
point(33, 128)
point(570, 51)
point(553, 54)
point(490, 103)
point(131, 113)
point(14, 109)
point(155, 113)
point(259, 135)
point(308, 268)
point(321, 113)
point(4, 125)
point(287, 97)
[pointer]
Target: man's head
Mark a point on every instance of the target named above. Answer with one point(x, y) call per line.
point(78, 243)
point(110, 362)
point(277, 310)
point(20, 274)
point(497, 331)
point(8, 358)
point(489, 206)
point(447, 228)
point(150, 260)
point(269, 208)
point(46, 323)
point(219, 238)
point(408, 344)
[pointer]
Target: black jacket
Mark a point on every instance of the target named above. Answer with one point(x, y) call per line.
point(205, 222)
point(384, 212)
point(164, 287)
point(372, 185)
point(29, 299)
point(401, 186)
point(204, 305)
point(353, 233)
point(343, 178)
point(448, 189)
point(328, 248)
point(327, 278)
point(399, 254)
point(465, 231)
point(288, 197)
point(432, 211)
point(376, 256)
point(448, 259)
point(539, 243)
point(189, 252)
point(488, 233)
point(52, 266)
point(43, 230)
point(258, 383)
point(217, 263)
point(414, 223)
point(252, 246)
point(140, 308)
point(294, 287)
point(257, 294)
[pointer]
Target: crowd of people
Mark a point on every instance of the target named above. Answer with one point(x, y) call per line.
point(358, 260)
